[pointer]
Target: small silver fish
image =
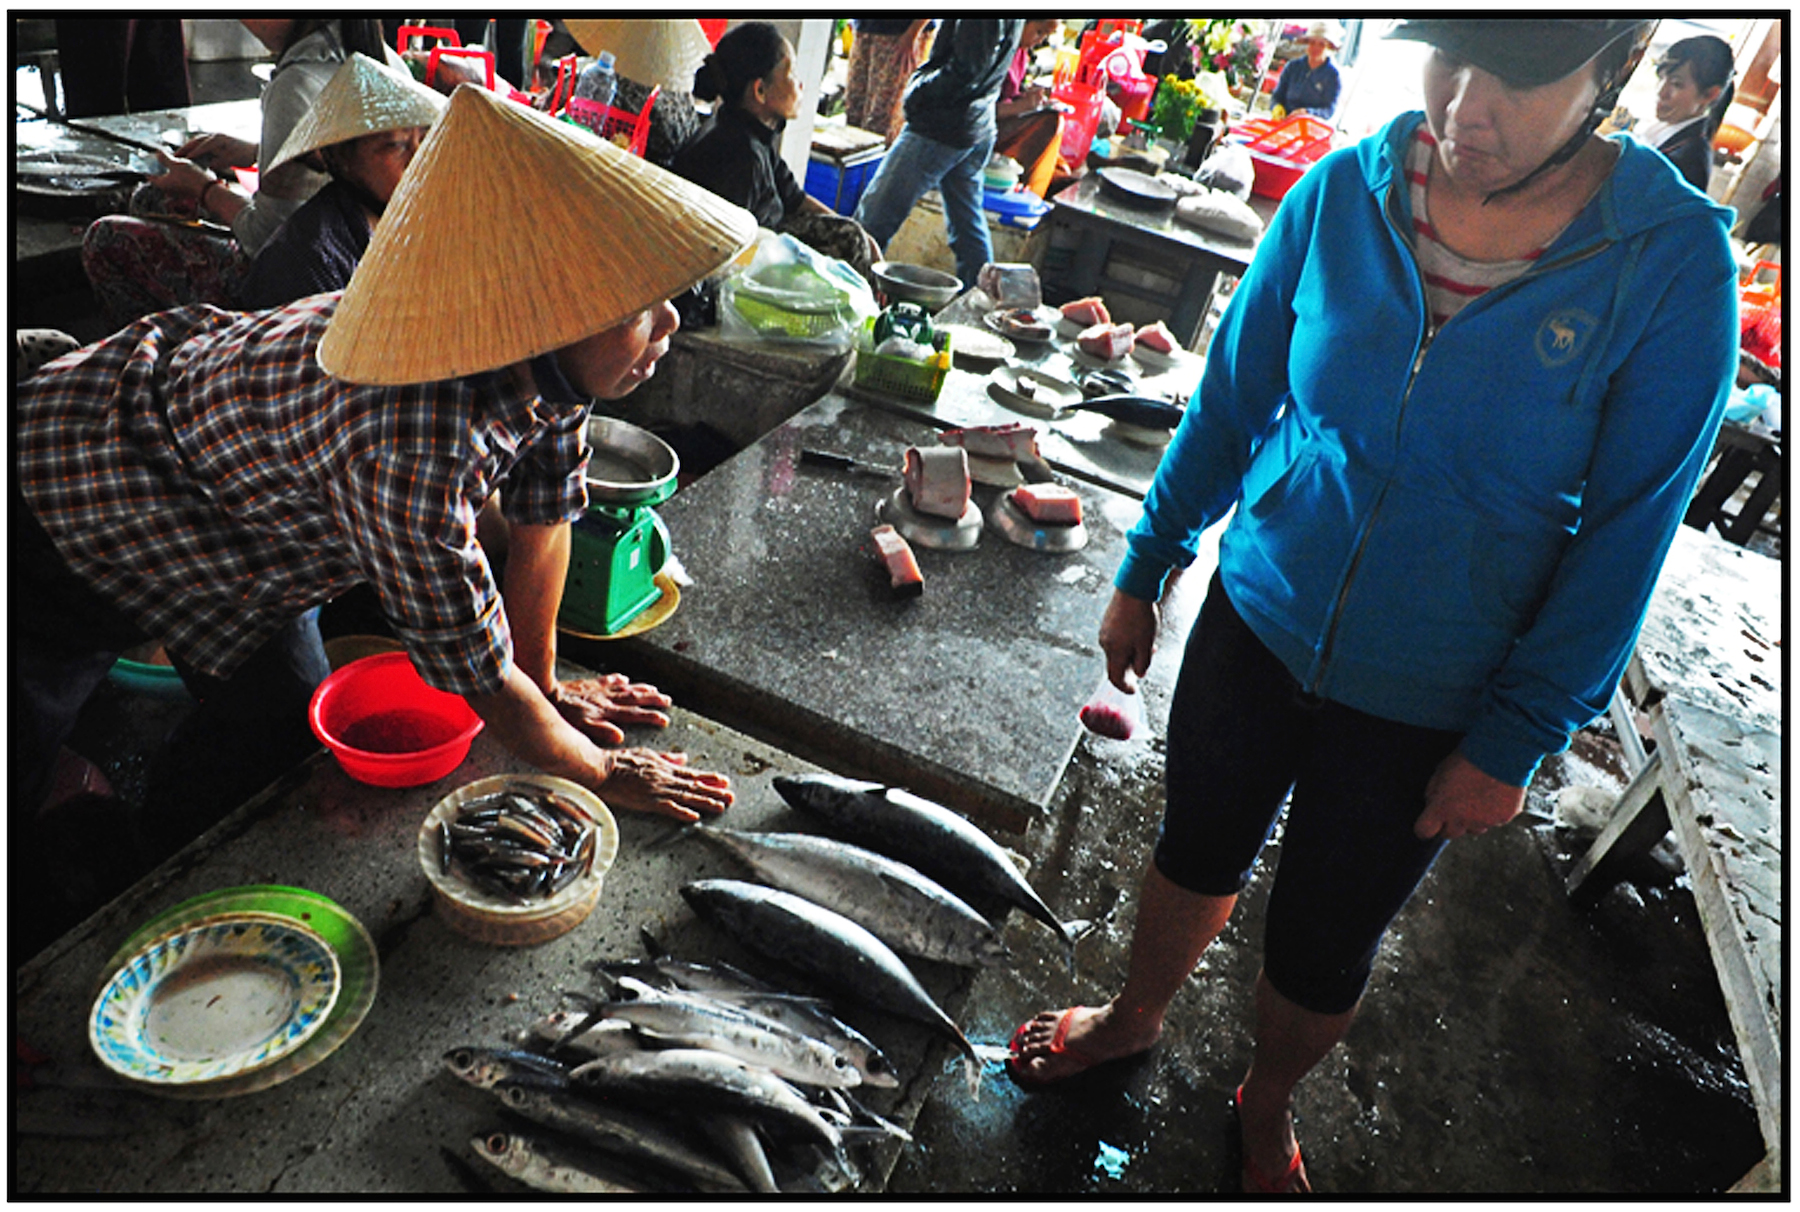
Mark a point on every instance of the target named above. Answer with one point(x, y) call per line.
point(543, 1166)
point(695, 1022)
point(487, 1067)
point(640, 1136)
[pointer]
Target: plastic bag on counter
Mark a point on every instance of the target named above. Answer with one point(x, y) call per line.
point(1011, 285)
point(792, 294)
point(1228, 169)
point(1218, 211)
point(1111, 713)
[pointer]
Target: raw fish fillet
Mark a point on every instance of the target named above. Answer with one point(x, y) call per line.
point(1156, 337)
point(1010, 441)
point(1108, 341)
point(1051, 504)
point(904, 576)
point(1087, 312)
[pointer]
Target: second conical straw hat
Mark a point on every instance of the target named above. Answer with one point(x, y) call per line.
point(664, 53)
point(513, 234)
point(362, 97)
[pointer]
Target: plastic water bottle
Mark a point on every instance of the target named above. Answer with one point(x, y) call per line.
point(597, 80)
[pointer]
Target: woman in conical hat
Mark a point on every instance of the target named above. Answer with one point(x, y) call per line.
point(363, 131)
point(208, 478)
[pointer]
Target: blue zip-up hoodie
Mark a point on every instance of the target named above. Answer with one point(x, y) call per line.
point(1462, 533)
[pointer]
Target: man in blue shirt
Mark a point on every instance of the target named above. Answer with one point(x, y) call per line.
point(1311, 85)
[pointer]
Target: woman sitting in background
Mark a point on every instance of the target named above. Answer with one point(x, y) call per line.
point(1694, 88)
point(138, 267)
point(751, 77)
point(1028, 130)
point(363, 131)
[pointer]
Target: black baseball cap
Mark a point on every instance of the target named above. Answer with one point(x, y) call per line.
point(1523, 53)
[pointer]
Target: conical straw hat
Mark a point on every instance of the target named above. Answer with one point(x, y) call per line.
point(362, 97)
point(513, 234)
point(665, 53)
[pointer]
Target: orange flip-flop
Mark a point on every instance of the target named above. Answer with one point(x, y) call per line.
point(1059, 1046)
point(1255, 1181)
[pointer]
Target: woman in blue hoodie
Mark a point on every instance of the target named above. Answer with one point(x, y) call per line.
point(1455, 411)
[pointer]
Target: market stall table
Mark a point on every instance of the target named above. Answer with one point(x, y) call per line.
point(1084, 445)
point(968, 694)
point(43, 240)
point(380, 1114)
point(1138, 256)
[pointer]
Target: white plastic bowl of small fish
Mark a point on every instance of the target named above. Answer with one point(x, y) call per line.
point(522, 918)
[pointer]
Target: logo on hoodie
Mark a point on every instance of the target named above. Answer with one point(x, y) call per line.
point(1563, 335)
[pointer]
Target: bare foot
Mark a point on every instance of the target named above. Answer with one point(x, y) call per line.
point(1093, 1036)
point(1272, 1162)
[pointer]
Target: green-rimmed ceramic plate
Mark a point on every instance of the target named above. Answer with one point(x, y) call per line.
point(215, 1000)
point(358, 973)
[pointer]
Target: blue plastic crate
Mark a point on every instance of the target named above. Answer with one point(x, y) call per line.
point(1015, 208)
point(840, 184)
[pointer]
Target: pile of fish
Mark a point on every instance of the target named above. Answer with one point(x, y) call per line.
point(688, 1077)
point(517, 847)
point(899, 881)
point(700, 1077)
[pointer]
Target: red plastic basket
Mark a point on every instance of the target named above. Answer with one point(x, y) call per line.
point(630, 131)
point(1283, 150)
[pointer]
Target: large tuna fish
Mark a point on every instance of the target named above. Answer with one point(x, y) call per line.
point(910, 912)
point(824, 945)
point(927, 836)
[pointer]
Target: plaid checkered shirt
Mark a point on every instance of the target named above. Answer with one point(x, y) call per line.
point(200, 470)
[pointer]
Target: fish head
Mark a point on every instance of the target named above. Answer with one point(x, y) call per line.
point(473, 1065)
point(878, 1071)
point(501, 1149)
point(820, 793)
point(515, 1096)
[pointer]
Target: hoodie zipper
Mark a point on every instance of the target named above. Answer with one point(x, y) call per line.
point(1428, 335)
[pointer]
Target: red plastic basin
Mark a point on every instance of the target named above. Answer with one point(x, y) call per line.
point(386, 727)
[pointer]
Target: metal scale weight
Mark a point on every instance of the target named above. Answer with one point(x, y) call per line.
point(620, 544)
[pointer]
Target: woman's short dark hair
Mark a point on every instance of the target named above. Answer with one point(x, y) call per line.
point(747, 53)
point(1710, 63)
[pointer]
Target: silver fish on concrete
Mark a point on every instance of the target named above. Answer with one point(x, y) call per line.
point(907, 910)
point(579, 1033)
point(695, 1022)
point(930, 837)
point(539, 1164)
point(710, 1080)
point(738, 1138)
point(722, 982)
point(487, 1067)
point(637, 1135)
point(824, 945)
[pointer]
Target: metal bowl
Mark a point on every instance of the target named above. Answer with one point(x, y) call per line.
point(916, 284)
point(629, 465)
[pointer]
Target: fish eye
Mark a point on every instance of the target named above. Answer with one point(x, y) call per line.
point(461, 1058)
point(514, 1095)
point(497, 1142)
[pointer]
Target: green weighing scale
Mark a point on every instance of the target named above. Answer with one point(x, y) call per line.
point(620, 544)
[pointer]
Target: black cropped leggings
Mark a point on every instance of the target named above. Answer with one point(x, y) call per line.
point(1242, 735)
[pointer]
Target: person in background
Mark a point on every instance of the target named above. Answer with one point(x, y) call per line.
point(1311, 85)
point(137, 266)
point(208, 478)
point(121, 67)
point(1026, 127)
point(1693, 90)
point(363, 131)
point(652, 55)
point(948, 139)
point(884, 53)
point(1449, 504)
point(750, 75)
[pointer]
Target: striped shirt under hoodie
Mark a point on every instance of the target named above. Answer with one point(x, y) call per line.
point(1451, 281)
